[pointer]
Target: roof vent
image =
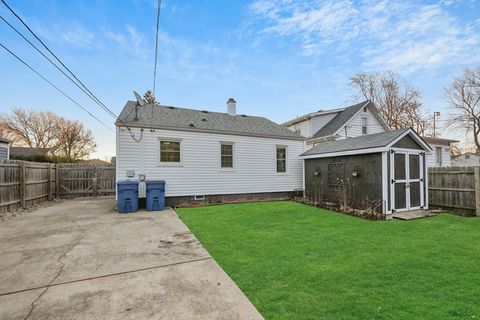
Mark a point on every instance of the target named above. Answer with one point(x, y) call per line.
point(204, 111)
point(191, 125)
point(204, 119)
point(243, 115)
point(171, 107)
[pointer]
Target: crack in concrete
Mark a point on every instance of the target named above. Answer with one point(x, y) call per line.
point(59, 260)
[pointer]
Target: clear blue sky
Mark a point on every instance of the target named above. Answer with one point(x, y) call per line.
point(279, 59)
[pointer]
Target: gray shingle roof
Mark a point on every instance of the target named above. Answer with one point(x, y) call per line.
point(173, 118)
point(368, 141)
point(339, 120)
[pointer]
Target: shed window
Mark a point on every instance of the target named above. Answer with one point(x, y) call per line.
point(169, 151)
point(364, 125)
point(281, 159)
point(226, 155)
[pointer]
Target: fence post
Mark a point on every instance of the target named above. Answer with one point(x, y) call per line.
point(23, 184)
point(477, 190)
point(49, 182)
point(57, 181)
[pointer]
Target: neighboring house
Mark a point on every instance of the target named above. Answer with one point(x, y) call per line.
point(4, 149)
point(385, 172)
point(208, 156)
point(28, 152)
point(442, 152)
point(356, 120)
point(468, 159)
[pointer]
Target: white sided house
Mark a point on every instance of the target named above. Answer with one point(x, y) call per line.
point(207, 156)
point(442, 152)
point(4, 149)
point(354, 121)
point(468, 159)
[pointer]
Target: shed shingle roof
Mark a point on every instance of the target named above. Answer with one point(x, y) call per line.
point(173, 118)
point(339, 120)
point(369, 141)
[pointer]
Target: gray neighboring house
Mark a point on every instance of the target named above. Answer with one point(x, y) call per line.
point(469, 159)
point(385, 171)
point(4, 149)
point(207, 156)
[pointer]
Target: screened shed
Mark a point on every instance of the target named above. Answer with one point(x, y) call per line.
point(386, 171)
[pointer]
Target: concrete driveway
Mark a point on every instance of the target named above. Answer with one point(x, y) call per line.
point(80, 260)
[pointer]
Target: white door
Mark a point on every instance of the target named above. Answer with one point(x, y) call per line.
point(407, 184)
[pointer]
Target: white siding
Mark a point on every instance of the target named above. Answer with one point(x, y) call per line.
point(200, 173)
point(432, 156)
point(4, 151)
point(461, 161)
point(320, 121)
point(305, 128)
point(354, 125)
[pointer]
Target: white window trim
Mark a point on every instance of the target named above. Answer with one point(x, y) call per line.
point(364, 119)
point(169, 164)
point(220, 156)
point(286, 158)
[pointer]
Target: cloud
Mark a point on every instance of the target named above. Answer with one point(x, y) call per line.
point(386, 34)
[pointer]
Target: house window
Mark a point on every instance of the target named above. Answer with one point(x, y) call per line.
point(226, 155)
point(438, 155)
point(297, 130)
point(170, 151)
point(364, 125)
point(467, 156)
point(281, 159)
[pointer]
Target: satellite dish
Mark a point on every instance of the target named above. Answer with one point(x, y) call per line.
point(139, 98)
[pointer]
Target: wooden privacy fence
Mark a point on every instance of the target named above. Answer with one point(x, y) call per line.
point(24, 183)
point(456, 189)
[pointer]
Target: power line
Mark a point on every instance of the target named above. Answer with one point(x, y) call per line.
point(104, 107)
point(159, 4)
point(53, 85)
point(49, 60)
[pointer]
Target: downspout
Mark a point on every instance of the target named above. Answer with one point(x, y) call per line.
point(346, 133)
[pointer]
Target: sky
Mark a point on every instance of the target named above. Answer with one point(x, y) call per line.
point(278, 58)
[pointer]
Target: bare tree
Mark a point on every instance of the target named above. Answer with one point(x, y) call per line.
point(463, 97)
point(44, 129)
point(30, 128)
point(74, 142)
point(398, 102)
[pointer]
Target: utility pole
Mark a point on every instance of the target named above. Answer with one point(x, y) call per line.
point(435, 115)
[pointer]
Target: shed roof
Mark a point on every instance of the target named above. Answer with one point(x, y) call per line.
point(174, 118)
point(361, 143)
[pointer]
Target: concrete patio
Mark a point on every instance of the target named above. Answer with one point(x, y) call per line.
point(81, 260)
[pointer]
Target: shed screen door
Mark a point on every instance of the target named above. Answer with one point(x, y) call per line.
point(407, 182)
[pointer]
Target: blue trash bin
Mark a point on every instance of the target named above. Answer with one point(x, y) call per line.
point(155, 195)
point(127, 196)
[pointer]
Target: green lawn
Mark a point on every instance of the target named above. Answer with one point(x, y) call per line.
point(298, 262)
